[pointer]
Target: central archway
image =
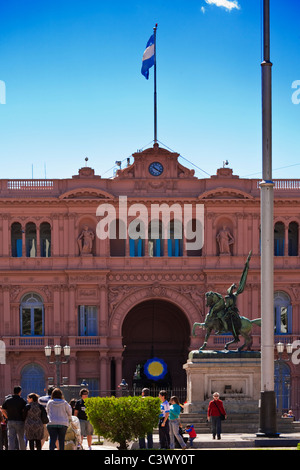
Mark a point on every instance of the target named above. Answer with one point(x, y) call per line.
point(156, 328)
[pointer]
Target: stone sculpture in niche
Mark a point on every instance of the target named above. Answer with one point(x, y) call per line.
point(85, 241)
point(225, 240)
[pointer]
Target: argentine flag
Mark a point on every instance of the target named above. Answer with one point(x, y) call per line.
point(148, 57)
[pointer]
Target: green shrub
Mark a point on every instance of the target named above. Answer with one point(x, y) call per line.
point(123, 419)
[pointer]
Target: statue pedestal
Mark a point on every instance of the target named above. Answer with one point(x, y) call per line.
point(234, 374)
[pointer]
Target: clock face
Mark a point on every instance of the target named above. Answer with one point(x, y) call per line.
point(156, 168)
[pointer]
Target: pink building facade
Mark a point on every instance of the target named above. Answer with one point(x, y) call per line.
point(118, 302)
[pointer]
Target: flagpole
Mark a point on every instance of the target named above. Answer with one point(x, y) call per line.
point(268, 421)
point(155, 91)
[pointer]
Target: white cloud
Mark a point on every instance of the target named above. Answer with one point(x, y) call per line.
point(228, 4)
point(202, 9)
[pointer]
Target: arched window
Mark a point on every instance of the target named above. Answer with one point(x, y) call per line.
point(45, 240)
point(137, 245)
point(32, 315)
point(279, 233)
point(282, 313)
point(155, 238)
point(175, 241)
point(191, 228)
point(293, 239)
point(117, 244)
point(30, 240)
point(16, 240)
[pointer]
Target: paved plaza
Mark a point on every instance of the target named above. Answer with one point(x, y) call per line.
point(234, 441)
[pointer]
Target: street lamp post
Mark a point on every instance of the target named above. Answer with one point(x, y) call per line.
point(58, 361)
point(267, 416)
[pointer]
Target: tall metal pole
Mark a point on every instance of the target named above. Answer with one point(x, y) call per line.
point(155, 92)
point(268, 424)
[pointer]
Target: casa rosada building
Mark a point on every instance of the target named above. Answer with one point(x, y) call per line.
point(119, 301)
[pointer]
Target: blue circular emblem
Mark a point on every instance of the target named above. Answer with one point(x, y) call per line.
point(155, 369)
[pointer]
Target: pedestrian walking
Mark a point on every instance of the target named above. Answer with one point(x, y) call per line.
point(59, 414)
point(142, 441)
point(174, 423)
point(43, 401)
point(216, 414)
point(163, 425)
point(35, 416)
point(12, 409)
point(86, 427)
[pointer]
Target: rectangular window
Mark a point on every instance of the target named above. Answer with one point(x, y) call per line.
point(87, 320)
point(32, 321)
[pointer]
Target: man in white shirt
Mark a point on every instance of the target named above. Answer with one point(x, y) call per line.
point(163, 425)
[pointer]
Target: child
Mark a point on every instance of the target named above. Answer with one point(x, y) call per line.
point(191, 432)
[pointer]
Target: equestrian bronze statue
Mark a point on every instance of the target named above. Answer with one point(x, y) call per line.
point(224, 317)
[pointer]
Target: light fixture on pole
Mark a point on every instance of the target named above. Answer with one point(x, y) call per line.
point(58, 361)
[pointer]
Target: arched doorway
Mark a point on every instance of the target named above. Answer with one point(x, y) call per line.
point(156, 328)
point(32, 380)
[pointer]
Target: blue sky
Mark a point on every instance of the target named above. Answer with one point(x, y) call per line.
point(74, 88)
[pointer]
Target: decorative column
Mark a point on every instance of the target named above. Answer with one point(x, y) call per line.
point(103, 311)
point(119, 361)
point(55, 236)
point(72, 369)
point(286, 239)
point(104, 373)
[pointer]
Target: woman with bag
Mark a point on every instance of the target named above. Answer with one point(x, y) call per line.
point(35, 416)
point(216, 413)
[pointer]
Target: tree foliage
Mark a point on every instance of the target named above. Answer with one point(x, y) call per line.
point(123, 419)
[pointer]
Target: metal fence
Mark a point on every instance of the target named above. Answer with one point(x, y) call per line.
point(72, 391)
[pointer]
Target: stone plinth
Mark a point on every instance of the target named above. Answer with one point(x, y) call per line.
point(234, 374)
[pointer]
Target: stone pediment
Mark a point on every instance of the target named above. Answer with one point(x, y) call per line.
point(86, 193)
point(225, 193)
point(155, 164)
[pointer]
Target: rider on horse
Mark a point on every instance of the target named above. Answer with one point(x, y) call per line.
point(231, 310)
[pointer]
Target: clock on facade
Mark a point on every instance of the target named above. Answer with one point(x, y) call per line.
point(156, 168)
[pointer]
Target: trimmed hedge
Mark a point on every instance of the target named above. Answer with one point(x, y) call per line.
point(123, 419)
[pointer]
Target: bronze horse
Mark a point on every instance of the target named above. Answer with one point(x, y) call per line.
point(223, 315)
point(212, 322)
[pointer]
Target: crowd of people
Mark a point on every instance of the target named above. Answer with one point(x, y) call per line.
point(169, 426)
point(170, 429)
point(28, 424)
